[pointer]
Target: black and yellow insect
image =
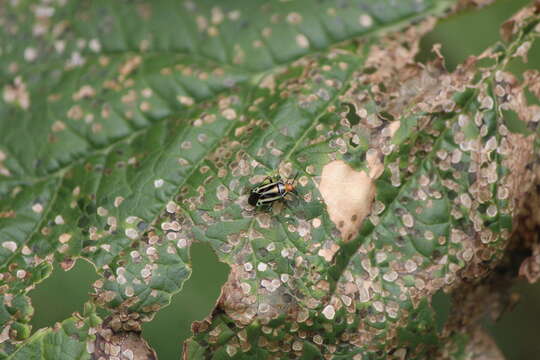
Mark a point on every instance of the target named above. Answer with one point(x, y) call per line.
point(270, 190)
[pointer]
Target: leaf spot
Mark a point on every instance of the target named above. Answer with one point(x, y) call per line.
point(365, 20)
point(346, 193)
point(329, 312)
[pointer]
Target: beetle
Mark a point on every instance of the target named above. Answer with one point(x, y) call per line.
point(271, 190)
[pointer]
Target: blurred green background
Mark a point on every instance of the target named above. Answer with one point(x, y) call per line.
point(516, 332)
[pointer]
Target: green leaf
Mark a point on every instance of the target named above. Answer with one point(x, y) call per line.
point(67, 341)
point(128, 131)
point(445, 194)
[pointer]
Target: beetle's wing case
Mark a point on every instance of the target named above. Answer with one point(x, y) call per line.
point(268, 199)
point(270, 189)
point(253, 199)
point(264, 188)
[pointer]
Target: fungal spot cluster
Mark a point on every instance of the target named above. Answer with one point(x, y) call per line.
point(435, 179)
point(402, 186)
point(448, 196)
point(270, 258)
point(169, 236)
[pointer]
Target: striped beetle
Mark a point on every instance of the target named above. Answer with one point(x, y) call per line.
point(270, 190)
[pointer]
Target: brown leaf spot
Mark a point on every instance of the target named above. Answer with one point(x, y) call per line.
point(347, 193)
point(8, 214)
point(328, 252)
point(111, 344)
point(530, 267)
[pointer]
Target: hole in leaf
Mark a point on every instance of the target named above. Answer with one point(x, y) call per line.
point(521, 319)
point(441, 304)
point(353, 118)
point(61, 294)
point(172, 325)
point(479, 28)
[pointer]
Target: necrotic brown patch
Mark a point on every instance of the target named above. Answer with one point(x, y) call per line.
point(348, 195)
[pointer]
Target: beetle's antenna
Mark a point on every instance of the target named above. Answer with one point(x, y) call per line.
point(292, 183)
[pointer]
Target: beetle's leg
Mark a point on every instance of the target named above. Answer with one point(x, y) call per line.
point(250, 212)
point(288, 206)
point(266, 207)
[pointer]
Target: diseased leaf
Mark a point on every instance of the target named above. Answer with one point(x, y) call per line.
point(446, 186)
point(128, 131)
point(67, 341)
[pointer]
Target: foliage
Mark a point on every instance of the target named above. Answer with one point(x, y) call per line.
point(129, 131)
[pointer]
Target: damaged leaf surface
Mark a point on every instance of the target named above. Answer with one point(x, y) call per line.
point(130, 131)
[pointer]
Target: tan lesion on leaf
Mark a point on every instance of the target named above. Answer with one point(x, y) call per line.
point(529, 112)
point(128, 67)
point(112, 339)
point(8, 214)
point(244, 303)
point(465, 4)
point(528, 223)
point(269, 82)
point(328, 252)
point(17, 94)
point(348, 195)
point(518, 21)
point(530, 267)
